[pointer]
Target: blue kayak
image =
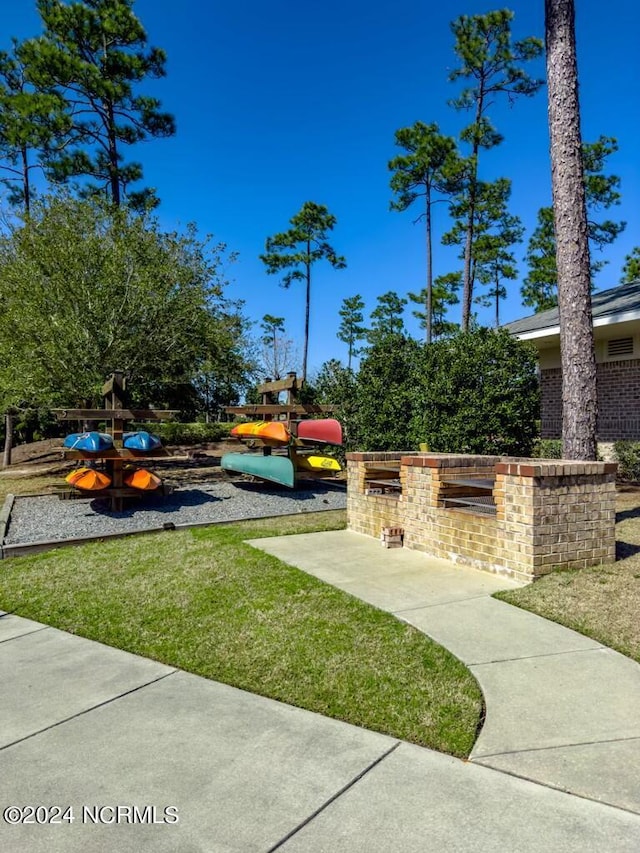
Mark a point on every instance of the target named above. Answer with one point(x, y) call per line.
point(143, 441)
point(88, 442)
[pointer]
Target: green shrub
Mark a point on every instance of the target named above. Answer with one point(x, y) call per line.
point(627, 454)
point(476, 392)
point(385, 394)
point(172, 432)
point(548, 448)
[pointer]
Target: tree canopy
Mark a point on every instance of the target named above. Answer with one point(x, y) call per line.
point(86, 290)
point(93, 53)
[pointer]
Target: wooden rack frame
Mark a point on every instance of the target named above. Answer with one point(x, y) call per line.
point(269, 408)
point(115, 411)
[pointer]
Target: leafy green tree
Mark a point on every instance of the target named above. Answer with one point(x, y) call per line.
point(298, 249)
point(227, 367)
point(86, 289)
point(476, 392)
point(30, 121)
point(351, 329)
point(384, 394)
point(631, 268)
point(94, 53)
point(540, 288)
point(335, 386)
point(432, 170)
point(492, 63)
point(387, 317)
point(579, 392)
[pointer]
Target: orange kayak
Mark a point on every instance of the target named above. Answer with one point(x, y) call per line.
point(143, 480)
point(88, 480)
point(272, 431)
point(75, 475)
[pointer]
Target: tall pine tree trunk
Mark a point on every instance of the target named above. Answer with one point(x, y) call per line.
point(114, 175)
point(26, 184)
point(306, 312)
point(579, 398)
point(429, 293)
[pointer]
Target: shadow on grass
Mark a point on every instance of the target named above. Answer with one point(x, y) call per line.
point(626, 549)
point(625, 514)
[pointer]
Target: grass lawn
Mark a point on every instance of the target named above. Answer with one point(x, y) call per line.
point(602, 602)
point(203, 601)
point(28, 484)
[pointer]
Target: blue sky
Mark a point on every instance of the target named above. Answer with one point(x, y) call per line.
point(279, 103)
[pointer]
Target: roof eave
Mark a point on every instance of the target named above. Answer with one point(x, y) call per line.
point(606, 320)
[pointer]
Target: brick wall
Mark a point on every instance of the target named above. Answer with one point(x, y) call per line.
point(618, 401)
point(548, 514)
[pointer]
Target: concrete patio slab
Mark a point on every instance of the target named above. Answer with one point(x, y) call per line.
point(49, 676)
point(485, 630)
point(545, 687)
point(608, 772)
point(416, 801)
point(571, 698)
point(392, 579)
point(14, 626)
point(241, 770)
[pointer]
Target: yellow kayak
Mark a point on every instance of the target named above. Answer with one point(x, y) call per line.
point(317, 463)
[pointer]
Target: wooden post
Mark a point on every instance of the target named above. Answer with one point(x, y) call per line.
point(116, 401)
point(8, 440)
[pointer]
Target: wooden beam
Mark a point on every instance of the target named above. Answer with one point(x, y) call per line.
point(278, 409)
point(120, 414)
point(121, 453)
point(287, 384)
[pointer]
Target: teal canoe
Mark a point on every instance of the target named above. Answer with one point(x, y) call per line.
point(277, 469)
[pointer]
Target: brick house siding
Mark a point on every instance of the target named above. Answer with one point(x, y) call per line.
point(618, 401)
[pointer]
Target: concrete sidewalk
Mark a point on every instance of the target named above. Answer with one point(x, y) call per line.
point(91, 727)
point(561, 709)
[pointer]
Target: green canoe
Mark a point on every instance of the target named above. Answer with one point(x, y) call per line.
point(277, 469)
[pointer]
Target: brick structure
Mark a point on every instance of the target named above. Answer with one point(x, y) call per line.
point(616, 336)
point(618, 401)
point(521, 517)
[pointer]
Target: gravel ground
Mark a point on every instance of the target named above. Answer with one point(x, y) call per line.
point(35, 519)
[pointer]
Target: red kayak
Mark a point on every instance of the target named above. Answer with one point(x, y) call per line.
point(321, 431)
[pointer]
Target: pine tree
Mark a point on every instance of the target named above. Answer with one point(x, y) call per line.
point(273, 332)
point(493, 257)
point(387, 317)
point(444, 295)
point(493, 65)
point(307, 242)
point(631, 268)
point(579, 397)
point(30, 121)
point(431, 169)
point(94, 53)
point(351, 329)
point(601, 192)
